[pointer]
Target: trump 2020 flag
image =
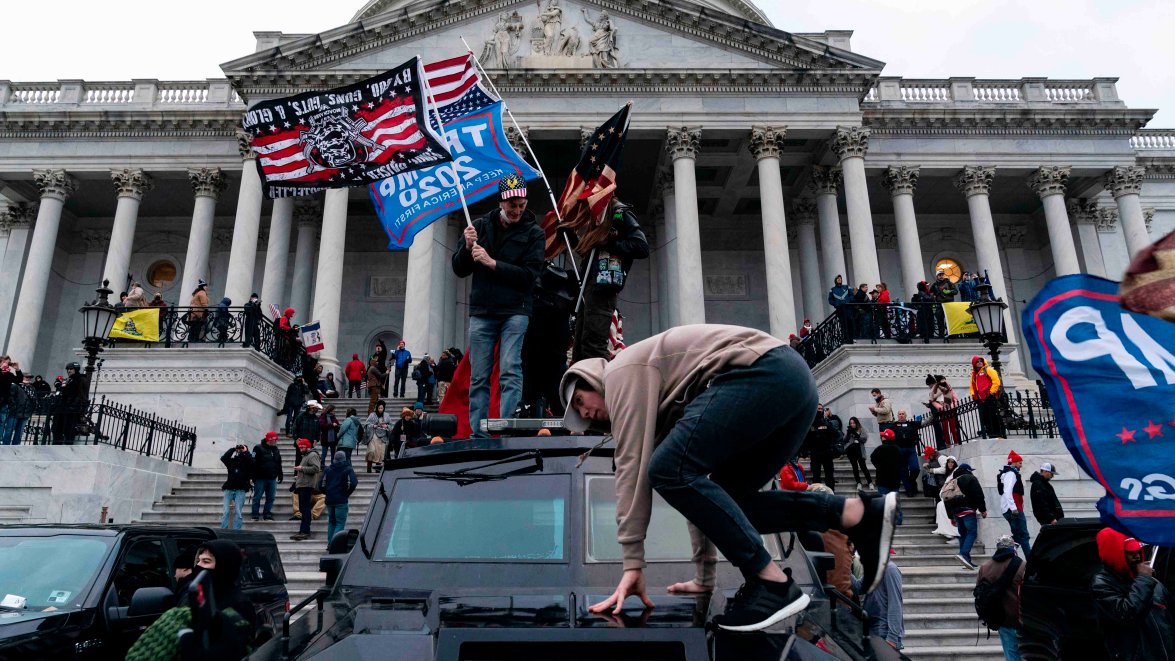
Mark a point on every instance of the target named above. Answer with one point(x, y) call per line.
point(409, 202)
point(1110, 375)
point(349, 136)
point(312, 337)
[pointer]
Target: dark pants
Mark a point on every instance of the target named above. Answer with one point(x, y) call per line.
point(354, 388)
point(328, 451)
point(989, 417)
point(593, 323)
point(910, 470)
point(857, 461)
point(968, 531)
point(1019, 524)
point(713, 477)
point(347, 452)
point(265, 487)
point(305, 506)
point(822, 469)
point(400, 382)
point(424, 392)
point(291, 413)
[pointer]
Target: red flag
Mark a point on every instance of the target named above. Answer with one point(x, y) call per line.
point(456, 401)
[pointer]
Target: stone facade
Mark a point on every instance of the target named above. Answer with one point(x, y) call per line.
point(759, 178)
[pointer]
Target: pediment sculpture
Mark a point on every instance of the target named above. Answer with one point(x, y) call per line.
point(555, 42)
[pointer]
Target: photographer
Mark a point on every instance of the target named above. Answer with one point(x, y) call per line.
point(240, 470)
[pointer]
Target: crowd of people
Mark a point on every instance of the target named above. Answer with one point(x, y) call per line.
point(61, 404)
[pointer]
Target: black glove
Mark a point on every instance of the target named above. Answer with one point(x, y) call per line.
point(279, 479)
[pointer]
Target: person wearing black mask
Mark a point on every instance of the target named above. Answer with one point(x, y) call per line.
point(233, 623)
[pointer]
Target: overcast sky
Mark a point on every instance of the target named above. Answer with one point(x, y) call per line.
point(1130, 39)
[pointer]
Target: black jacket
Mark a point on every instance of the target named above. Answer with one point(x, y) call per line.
point(295, 395)
point(1046, 507)
point(518, 249)
point(338, 482)
point(972, 492)
point(628, 242)
point(906, 434)
point(267, 463)
point(240, 470)
point(1135, 616)
point(446, 367)
point(887, 459)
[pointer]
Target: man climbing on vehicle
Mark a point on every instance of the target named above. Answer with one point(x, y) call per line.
point(669, 403)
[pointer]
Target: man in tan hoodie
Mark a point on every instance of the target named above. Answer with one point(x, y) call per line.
point(669, 402)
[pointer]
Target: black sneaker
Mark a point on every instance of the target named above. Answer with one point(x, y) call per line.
point(268, 517)
point(873, 537)
point(760, 604)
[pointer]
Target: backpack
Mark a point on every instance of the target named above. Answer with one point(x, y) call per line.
point(951, 491)
point(989, 597)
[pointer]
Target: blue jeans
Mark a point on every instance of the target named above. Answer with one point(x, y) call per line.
point(1019, 525)
point(268, 488)
point(968, 531)
point(484, 333)
point(1010, 639)
point(713, 477)
point(10, 428)
point(336, 520)
point(910, 470)
point(238, 498)
point(885, 490)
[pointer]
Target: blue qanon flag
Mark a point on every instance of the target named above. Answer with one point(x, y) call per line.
point(1110, 375)
point(409, 202)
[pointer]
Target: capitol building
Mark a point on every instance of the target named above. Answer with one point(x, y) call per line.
point(761, 164)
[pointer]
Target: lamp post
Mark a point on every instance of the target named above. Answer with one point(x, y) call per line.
point(99, 316)
point(988, 314)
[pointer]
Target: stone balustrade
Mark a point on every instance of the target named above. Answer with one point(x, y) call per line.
point(138, 94)
point(1154, 140)
point(894, 91)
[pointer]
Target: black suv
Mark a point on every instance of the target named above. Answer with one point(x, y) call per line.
point(494, 549)
point(91, 590)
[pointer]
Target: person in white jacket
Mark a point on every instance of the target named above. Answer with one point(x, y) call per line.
point(943, 523)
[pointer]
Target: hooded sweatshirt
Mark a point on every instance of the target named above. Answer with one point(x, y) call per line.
point(1134, 611)
point(985, 382)
point(225, 578)
point(1046, 507)
point(646, 389)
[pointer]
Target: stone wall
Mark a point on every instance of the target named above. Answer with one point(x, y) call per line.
point(71, 483)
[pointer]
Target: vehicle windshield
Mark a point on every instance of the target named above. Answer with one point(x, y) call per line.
point(667, 539)
point(519, 519)
point(50, 573)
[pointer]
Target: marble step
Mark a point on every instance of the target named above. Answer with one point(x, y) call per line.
point(943, 560)
point(951, 607)
point(945, 574)
point(208, 495)
point(986, 652)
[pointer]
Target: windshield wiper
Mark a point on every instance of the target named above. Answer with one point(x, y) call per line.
point(467, 476)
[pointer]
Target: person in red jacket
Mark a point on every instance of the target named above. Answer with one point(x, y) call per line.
point(355, 372)
point(791, 477)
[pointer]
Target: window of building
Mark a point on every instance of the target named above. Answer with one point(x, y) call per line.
point(950, 267)
point(161, 274)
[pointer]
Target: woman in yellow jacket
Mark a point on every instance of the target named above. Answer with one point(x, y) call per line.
point(985, 388)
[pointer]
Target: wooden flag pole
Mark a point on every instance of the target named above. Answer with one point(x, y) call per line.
point(538, 166)
point(445, 139)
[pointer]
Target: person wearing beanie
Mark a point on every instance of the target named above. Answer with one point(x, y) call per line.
point(1011, 490)
point(308, 472)
point(793, 340)
point(1134, 609)
point(253, 315)
point(1046, 507)
point(355, 372)
point(198, 312)
point(888, 464)
point(1007, 603)
point(985, 388)
point(503, 252)
point(267, 474)
point(806, 329)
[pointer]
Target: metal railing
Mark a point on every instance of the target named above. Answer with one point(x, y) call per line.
point(903, 323)
point(53, 420)
point(187, 326)
point(1020, 414)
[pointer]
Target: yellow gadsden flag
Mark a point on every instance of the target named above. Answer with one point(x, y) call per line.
point(959, 321)
point(141, 325)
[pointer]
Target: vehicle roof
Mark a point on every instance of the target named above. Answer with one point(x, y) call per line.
point(496, 448)
point(116, 529)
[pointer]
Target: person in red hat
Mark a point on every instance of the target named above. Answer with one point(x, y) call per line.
point(1133, 607)
point(308, 472)
point(806, 329)
point(267, 473)
point(888, 464)
point(1011, 490)
point(356, 373)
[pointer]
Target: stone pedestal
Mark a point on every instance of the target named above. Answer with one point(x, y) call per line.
point(229, 395)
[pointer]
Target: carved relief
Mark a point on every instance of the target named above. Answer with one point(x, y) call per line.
point(1107, 220)
point(766, 141)
point(726, 287)
point(1049, 180)
point(556, 41)
point(886, 236)
point(502, 46)
point(307, 212)
point(95, 240)
point(683, 142)
point(850, 141)
point(516, 139)
point(1011, 236)
point(130, 182)
point(1124, 180)
point(1083, 211)
point(825, 180)
point(803, 210)
point(605, 54)
point(546, 28)
point(54, 183)
point(1148, 215)
point(900, 179)
point(207, 182)
point(17, 216)
point(975, 180)
point(222, 240)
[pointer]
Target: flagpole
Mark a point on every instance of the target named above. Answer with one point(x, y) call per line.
point(445, 139)
point(538, 166)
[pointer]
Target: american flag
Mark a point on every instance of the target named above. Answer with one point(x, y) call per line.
point(349, 136)
point(615, 334)
point(590, 187)
point(456, 88)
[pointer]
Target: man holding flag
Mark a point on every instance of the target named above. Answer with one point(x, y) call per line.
point(503, 252)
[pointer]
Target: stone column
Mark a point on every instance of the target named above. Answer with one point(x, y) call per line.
point(901, 181)
point(850, 144)
point(1125, 184)
point(1049, 183)
point(683, 145)
point(1085, 214)
point(246, 227)
point(824, 184)
point(207, 185)
point(418, 292)
point(55, 187)
point(436, 307)
point(804, 213)
point(15, 222)
point(672, 288)
point(452, 232)
point(328, 285)
point(130, 185)
point(766, 143)
point(975, 183)
point(308, 217)
point(277, 253)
